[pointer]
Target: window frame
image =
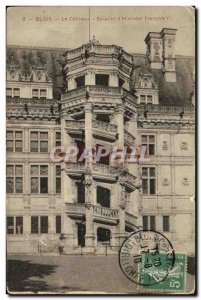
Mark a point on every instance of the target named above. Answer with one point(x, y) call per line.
point(39, 176)
point(163, 218)
point(148, 143)
point(39, 230)
point(15, 176)
point(148, 178)
point(39, 140)
point(149, 227)
point(14, 140)
point(146, 101)
point(15, 232)
point(99, 79)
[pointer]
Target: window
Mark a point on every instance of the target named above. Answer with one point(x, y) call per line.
point(166, 223)
point(15, 225)
point(39, 179)
point(43, 94)
point(148, 180)
point(58, 224)
point(13, 141)
point(39, 141)
point(148, 223)
point(16, 93)
point(102, 79)
point(146, 99)
point(13, 92)
point(80, 81)
point(58, 179)
point(39, 224)
point(14, 179)
point(58, 138)
point(149, 142)
point(8, 92)
point(35, 93)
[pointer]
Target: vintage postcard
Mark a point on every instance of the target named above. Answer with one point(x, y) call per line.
point(100, 138)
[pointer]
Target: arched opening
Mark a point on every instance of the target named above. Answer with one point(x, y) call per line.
point(103, 235)
point(103, 196)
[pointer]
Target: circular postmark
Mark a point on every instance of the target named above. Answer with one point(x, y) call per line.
point(146, 257)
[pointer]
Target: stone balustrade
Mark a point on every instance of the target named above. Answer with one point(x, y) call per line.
point(105, 212)
point(73, 124)
point(106, 127)
point(129, 137)
point(75, 207)
point(131, 219)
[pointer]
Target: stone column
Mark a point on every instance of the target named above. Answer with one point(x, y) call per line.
point(71, 84)
point(89, 236)
point(90, 78)
point(88, 130)
point(119, 117)
point(113, 80)
point(65, 179)
point(26, 140)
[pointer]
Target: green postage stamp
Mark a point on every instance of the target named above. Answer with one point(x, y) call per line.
point(175, 280)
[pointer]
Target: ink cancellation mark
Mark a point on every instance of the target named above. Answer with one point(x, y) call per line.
point(146, 257)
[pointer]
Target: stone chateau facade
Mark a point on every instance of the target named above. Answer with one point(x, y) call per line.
point(99, 95)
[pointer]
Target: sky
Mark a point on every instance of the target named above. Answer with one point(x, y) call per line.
point(68, 27)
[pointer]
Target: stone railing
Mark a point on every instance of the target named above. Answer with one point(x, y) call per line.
point(74, 93)
point(105, 212)
point(101, 168)
point(99, 49)
point(129, 137)
point(104, 90)
point(104, 126)
point(131, 219)
point(75, 207)
point(29, 101)
point(128, 177)
point(166, 108)
point(73, 124)
point(75, 166)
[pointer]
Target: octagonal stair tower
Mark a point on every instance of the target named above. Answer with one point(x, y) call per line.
point(101, 199)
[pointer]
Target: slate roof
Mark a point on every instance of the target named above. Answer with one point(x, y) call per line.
point(177, 93)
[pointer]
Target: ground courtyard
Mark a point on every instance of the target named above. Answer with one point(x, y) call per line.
point(71, 273)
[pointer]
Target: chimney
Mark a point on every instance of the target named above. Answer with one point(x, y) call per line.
point(154, 49)
point(160, 52)
point(168, 55)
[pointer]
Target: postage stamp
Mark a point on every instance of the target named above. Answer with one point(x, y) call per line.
point(146, 257)
point(174, 281)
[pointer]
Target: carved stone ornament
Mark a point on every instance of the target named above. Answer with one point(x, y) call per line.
point(165, 181)
point(165, 145)
point(185, 181)
point(184, 146)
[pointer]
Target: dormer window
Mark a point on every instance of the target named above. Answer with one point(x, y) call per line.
point(9, 92)
point(43, 94)
point(80, 81)
point(102, 79)
point(146, 99)
point(16, 93)
point(39, 94)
